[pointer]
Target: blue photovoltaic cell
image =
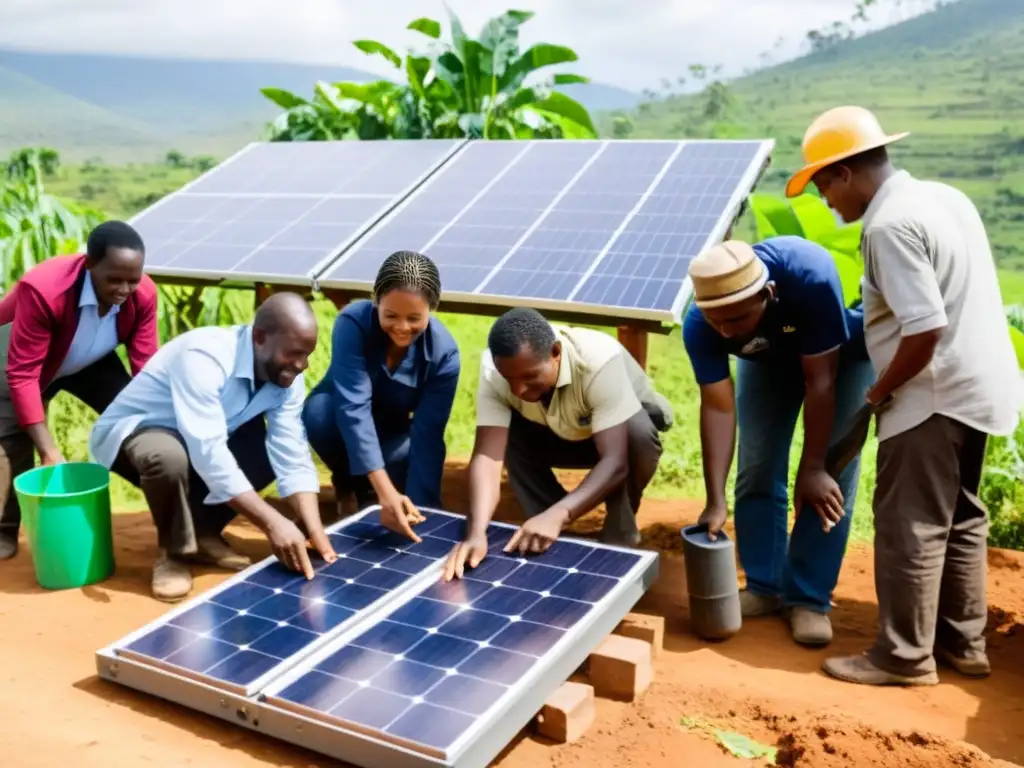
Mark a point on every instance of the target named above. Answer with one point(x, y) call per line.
point(646, 265)
point(244, 631)
point(282, 208)
point(431, 667)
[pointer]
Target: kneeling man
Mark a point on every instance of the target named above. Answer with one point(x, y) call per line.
point(551, 396)
point(215, 415)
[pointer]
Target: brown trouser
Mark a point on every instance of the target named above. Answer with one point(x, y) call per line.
point(931, 531)
point(156, 460)
point(95, 385)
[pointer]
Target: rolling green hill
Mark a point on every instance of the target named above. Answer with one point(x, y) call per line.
point(953, 77)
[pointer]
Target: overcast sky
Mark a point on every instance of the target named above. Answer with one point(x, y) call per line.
point(631, 43)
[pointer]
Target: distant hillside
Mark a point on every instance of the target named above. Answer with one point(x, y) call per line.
point(78, 103)
point(953, 77)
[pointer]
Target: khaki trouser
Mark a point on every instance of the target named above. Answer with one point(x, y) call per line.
point(931, 531)
point(95, 385)
point(156, 460)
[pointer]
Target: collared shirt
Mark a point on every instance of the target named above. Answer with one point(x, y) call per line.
point(203, 385)
point(809, 315)
point(599, 386)
point(95, 337)
point(373, 403)
point(928, 265)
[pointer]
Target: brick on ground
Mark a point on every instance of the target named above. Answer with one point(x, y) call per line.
point(641, 626)
point(621, 668)
point(567, 713)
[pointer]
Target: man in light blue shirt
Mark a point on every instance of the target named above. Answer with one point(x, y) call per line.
point(215, 416)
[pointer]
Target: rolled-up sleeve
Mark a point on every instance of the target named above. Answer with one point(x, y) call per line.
point(352, 395)
point(287, 447)
point(426, 441)
point(906, 278)
point(196, 383)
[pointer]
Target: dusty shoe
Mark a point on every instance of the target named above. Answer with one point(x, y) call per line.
point(172, 579)
point(810, 627)
point(970, 665)
point(753, 604)
point(8, 545)
point(213, 550)
point(859, 669)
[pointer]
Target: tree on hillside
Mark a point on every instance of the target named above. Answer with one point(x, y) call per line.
point(462, 86)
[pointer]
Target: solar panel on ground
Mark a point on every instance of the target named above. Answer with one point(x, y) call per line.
point(596, 227)
point(404, 670)
point(279, 212)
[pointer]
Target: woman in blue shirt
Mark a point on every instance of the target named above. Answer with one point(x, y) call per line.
point(377, 419)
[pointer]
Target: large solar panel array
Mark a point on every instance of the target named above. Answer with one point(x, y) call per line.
point(280, 212)
point(600, 227)
point(377, 649)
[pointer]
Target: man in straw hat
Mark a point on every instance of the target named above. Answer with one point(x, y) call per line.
point(778, 307)
point(937, 336)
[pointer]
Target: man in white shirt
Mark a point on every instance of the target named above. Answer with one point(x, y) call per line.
point(939, 341)
point(190, 431)
point(552, 396)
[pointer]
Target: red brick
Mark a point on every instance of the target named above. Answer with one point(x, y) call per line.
point(621, 668)
point(567, 713)
point(641, 626)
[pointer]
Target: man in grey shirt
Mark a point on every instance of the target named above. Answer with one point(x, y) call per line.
point(947, 377)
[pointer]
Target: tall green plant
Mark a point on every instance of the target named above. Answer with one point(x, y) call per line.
point(483, 87)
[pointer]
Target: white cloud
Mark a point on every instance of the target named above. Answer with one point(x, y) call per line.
point(630, 44)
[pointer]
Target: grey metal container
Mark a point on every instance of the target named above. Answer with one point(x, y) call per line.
point(712, 584)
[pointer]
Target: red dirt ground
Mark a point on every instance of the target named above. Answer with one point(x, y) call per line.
point(56, 712)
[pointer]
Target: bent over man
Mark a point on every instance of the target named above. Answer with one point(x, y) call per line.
point(551, 396)
point(215, 416)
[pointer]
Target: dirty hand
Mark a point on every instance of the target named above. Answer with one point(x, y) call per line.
point(289, 546)
point(399, 514)
point(818, 489)
point(469, 552)
point(540, 532)
point(713, 516)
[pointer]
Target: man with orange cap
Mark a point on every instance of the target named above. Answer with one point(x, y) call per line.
point(778, 307)
point(937, 336)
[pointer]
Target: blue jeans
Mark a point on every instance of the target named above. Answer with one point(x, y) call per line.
point(325, 438)
point(801, 568)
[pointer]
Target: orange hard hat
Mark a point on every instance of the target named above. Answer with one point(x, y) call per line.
point(837, 134)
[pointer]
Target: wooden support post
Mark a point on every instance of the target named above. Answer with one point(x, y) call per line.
point(338, 298)
point(634, 339)
point(262, 293)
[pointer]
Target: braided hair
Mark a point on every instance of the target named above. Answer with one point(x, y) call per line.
point(409, 271)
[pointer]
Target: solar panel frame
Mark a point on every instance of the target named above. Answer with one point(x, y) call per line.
point(327, 278)
point(475, 749)
point(306, 279)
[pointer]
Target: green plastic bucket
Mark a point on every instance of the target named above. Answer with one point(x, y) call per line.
point(66, 511)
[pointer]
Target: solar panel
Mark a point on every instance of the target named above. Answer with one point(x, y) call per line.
point(405, 670)
point(279, 212)
point(594, 227)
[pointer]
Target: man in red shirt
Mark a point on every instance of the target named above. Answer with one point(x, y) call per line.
point(60, 326)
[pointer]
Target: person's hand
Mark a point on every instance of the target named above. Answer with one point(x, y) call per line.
point(399, 514)
point(289, 546)
point(51, 459)
point(322, 544)
point(818, 489)
point(713, 516)
point(469, 552)
point(540, 532)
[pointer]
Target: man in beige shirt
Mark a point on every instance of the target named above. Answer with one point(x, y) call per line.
point(551, 396)
point(939, 342)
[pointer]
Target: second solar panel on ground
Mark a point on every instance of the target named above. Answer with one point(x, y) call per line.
point(606, 227)
point(279, 212)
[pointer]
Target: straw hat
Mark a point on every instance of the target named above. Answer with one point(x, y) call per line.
point(726, 274)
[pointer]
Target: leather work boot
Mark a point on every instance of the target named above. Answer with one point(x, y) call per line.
point(172, 579)
point(971, 665)
point(753, 604)
point(8, 544)
point(810, 627)
point(859, 669)
point(213, 550)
